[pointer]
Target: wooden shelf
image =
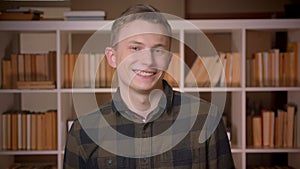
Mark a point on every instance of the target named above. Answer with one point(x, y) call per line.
point(60, 98)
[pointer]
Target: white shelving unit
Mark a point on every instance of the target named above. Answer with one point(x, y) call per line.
point(61, 98)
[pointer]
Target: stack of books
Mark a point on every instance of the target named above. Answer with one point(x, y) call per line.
point(26, 130)
point(272, 129)
point(29, 71)
point(21, 14)
point(218, 71)
point(84, 15)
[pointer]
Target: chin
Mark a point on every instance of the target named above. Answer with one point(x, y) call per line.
point(147, 86)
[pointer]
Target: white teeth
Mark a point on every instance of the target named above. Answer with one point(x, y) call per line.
point(142, 73)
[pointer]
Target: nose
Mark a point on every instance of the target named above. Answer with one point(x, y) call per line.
point(147, 57)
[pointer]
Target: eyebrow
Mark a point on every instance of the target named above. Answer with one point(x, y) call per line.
point(141, 43)
point(136, 42)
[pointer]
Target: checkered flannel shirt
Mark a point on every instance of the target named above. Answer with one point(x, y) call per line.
point(82, 152)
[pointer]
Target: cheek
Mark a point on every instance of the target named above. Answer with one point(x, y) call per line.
point(125, 61)
point(163, 64)
point(165, 61)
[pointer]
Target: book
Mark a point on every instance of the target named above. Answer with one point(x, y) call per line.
point(72, 62)
point(172, 75)
point(97, 77)
point(92, 70)
point(54, 129)
point(84, 15)
point(28, 130)
point(33, 131)
point(66, 64)
point(258, 69)
point(285, 121)
point(21, 68)
point(86, 74)
point(102, 69)
point(281, 69)
point(257, 131)
point(249, 128)
point(266, 127)
point(206, 71)
point(14, 130)
point(271, 128)
point(9, 130)
point(4, 131)
point(236, 69)
point(27, 66)
point(214, 70)
point(19, 118)
point(109, 73)
point(6, 74)
point(19, 16)
point(52, 65)
point(78, 71)
point(190, 79)
point(36, 85)
point(293, 47)
point(48, 130)
point(40, 131)
point(253, 71)
point(228, 69)
point(290, 125)
point(272, 69)
point(280, 123)
point(46, 67)
point(33, 68)
point(14, 71)
point(40, 67)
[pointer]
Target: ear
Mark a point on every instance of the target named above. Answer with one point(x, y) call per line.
point(111, 57)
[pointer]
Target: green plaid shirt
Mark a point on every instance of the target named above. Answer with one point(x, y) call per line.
point(82, 152)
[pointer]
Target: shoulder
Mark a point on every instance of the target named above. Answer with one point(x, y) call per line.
point(194, 101)
point(93, 116)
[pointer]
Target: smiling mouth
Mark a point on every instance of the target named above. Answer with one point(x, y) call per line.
point(144, 73)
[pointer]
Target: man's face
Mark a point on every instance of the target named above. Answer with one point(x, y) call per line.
point(142, 55)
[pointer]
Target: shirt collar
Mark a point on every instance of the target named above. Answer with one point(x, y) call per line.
point(164, 105)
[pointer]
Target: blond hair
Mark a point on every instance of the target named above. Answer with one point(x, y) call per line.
point(138, 12)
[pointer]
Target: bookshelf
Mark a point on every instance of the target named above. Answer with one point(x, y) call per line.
point(225, 35)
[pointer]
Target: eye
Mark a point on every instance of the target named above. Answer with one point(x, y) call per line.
point(135, 48)
point(159, 51)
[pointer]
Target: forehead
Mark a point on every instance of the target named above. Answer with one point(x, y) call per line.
point(141, 27)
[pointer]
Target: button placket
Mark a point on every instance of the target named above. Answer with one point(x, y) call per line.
point(145, 146)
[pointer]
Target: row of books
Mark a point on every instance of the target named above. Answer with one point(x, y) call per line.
point(32, 166)
point(25, 130)
point(273, 68)
point(85, 15)
point(272, 167)
point(87, 70)
point(221, 70)
point(272, 129)
point(29, 70)
point(21, 14)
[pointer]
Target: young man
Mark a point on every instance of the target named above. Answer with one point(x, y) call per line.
point(146, 124)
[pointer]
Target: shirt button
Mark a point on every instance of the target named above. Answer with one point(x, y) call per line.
point(109, 162)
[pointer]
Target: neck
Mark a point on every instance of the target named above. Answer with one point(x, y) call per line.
point(141, 102)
